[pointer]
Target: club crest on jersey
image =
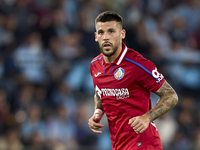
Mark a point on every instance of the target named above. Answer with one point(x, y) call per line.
point(119, 73)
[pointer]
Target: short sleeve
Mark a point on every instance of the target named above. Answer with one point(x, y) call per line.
point(149, 76)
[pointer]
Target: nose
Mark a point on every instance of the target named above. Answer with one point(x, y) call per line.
point(105, 36)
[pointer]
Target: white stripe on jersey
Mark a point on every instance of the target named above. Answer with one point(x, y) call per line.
point(153, 124)
point(122, 56)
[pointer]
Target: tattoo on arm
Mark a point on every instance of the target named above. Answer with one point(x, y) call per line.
point(168, 99)
point(97, 102)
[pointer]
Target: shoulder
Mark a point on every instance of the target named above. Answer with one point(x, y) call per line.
point(140, 62)
point(96, 63)
point(136, 58)
point(143, 66)
point(97, 58)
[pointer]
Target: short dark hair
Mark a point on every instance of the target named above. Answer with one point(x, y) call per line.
point(109, 16)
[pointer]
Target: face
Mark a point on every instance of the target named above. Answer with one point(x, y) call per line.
point(109, 35)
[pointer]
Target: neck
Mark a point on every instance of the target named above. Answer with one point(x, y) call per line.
point(112, 58)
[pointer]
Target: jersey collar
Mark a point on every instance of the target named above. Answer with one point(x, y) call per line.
point(121, 55)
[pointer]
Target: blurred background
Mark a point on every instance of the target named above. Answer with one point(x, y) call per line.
point(46, 91)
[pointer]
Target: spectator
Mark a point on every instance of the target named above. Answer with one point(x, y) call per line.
point(30, 59)
point(12, 140)
point(33, 126)
point(62, 130)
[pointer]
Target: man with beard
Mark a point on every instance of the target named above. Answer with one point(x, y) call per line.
point(123, 80)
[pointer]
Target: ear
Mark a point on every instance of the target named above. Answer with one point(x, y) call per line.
point(95, 34)
point(123, 33)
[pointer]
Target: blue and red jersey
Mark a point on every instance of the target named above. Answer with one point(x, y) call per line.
point(124, 88)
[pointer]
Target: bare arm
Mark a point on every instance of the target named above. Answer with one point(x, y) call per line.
point(94, 121)
point(168, 99)
point(97, 102)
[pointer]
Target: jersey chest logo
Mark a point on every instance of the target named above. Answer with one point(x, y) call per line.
point(119, 73)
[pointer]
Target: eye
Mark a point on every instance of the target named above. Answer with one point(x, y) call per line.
point(100, 32)
point(111, 31)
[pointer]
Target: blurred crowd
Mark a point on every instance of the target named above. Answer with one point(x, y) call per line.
point(46, 91)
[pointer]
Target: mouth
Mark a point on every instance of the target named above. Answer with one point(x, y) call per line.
point(107, 45)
